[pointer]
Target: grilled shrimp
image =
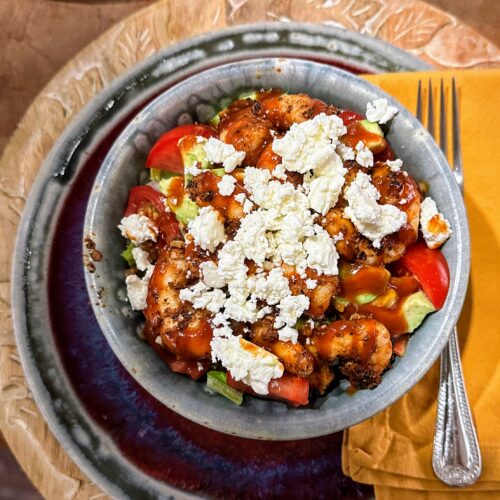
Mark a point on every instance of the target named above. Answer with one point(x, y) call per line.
point(241, 126)
point(295, 357)
point(320, 296)
point(395, 188)
point(183, 331)
point(286, 109)
point(363, 348)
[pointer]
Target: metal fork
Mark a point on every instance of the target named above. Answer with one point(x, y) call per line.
point(456, 457)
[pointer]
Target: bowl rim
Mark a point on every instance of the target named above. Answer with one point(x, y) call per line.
point(386, 395)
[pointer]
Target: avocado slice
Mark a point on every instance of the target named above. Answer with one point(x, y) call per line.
point(157, 174)
point(374, 139)
point(251, 94)
point(193, 151)
point(184, 211)
point(415, 308)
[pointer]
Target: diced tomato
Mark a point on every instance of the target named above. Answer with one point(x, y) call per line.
point(289, 388)
point(386, 154)
point(169, 227)
point(350, 116)
point(141, 195)
point(195, 369)
point(399, 345)
point(165, 154)
point(430, 269)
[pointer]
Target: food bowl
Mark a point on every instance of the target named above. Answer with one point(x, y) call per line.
point(197, 99)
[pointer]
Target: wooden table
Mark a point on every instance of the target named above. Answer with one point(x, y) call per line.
point(435, 36)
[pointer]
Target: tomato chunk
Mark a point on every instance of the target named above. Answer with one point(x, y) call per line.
point(289, 388)
point(430, 269)
point(166, 155)
point(195, 369)
point(141, 195)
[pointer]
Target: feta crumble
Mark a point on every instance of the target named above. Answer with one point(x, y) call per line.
point(247, 362)
point(138, 228)
point(435, 228)
point(207, 229)
point(345, 152)
point(225, 154)
point(137, 289)
point(203, 298)
point(364, 156)
point(211, 276)
point(395, 165)
point(311, 284)
point(322, 255)
point(226, 185)
point(380, 111)
point(310, 144)
point(288, 334)
point(291, 309)
point(141, 258)
point(371, 219)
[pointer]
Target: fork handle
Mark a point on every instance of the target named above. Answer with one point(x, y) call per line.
point(456, 458)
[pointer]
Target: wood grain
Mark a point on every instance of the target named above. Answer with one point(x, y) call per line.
point(433, 35)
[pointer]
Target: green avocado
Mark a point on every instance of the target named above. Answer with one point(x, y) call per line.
point(184, 211)
point(158, 175)
point(375, 141)
point(195, 154)
point(372, 127)
point(365, 298)
point(415, 308)
point(251, 94)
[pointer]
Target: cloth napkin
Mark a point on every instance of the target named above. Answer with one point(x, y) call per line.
point(393, 450)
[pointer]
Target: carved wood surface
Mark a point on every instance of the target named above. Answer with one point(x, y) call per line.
point(433, 35)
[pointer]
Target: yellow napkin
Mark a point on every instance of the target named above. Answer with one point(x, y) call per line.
point(393, 449)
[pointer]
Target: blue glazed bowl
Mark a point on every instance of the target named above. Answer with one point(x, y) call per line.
point(197, 99)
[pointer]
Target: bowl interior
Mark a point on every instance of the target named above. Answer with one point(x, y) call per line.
point(197, 99)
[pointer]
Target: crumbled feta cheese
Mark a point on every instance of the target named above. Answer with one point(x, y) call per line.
point(310, 144)
point(141, 258)
point(211, 276)
point(207, 229)
point(225, 154)
point(322, 255)
point(193, 169)
point(158, 340)
point(435, 228)
point(247, 206)
point(271, 288)
point(232, 262)
point(395, 165)
point(345, 152)
point(203, 298)
point(137, 289)
point(363, 155)
point(240, 198)
point(324, 192)
point(279, 172)
point(291, 309)
point(252, 236)
point(138, 228)
point(226, 185)
point(247, 362)
point(288, 334)
point(380, 111)
point(371, 219)
point(311, 284)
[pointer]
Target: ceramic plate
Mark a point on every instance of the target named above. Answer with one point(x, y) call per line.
point(124, 439)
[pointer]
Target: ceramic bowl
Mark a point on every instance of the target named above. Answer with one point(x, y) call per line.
point(197, 99)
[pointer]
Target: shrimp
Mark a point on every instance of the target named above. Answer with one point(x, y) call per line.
point(296, 358)
point(184, 331)
point(286, 109)
point(363, 348)
point(396, 189)
point(320, 296)
point(241, 126)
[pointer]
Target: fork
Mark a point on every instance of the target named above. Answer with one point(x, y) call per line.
point(456, 457)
